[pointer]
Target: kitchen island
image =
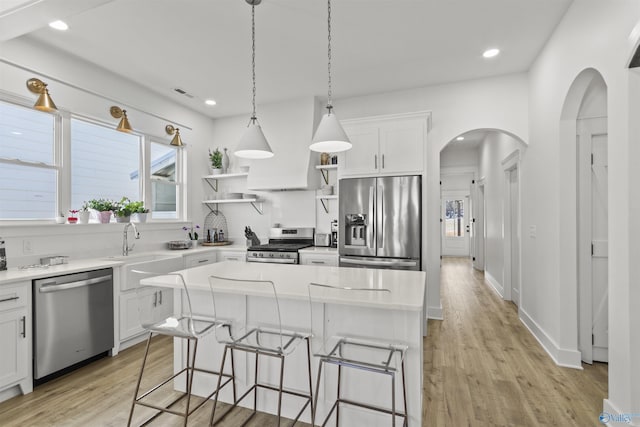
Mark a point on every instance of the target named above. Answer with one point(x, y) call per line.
point(395, 317)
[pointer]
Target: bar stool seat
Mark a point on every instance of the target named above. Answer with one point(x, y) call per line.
point(362, 353)
point(184, 325)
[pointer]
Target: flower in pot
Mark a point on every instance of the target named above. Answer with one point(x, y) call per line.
point(104, 208)
point(193, 235)
point(73, 216)
point(123, 210)
point(216, 161)
point(139, 211)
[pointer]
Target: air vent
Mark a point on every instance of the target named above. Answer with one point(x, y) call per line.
point(183, 92)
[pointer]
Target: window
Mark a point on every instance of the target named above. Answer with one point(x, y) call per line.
point(164, 185)
point(104, 163)
point(454, 218)
point(28, 169)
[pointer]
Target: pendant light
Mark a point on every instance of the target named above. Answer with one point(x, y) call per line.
point(329, 137)
point(253, 144)
point(119, 113)
point(44, 102)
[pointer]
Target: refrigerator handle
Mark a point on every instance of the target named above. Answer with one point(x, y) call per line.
point(380, 218)
point(371, 222)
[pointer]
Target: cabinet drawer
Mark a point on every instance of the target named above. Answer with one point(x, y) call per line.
point(197, 260)
point(233, 256)
point(14, 297)
point(326, 260)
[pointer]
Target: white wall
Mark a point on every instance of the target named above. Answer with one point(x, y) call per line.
point(493, 150)
point(454, 155)
point(494, 103)
point(598, 35)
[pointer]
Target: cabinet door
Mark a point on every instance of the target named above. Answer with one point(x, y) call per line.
point(203, 259)
point(363, 157)
point(13, 341)
point(129, 316)
point(233, 256)
point(317, 259)
point(164, 304)
point(402, 147)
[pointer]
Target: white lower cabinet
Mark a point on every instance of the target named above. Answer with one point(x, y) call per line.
point(200, 259)
point(15, 335)
point(158, 305)
point(240, 256)
point(319, 259)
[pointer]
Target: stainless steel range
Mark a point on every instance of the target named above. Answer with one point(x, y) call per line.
point(283, 246)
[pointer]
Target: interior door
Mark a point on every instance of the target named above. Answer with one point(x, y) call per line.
point(593, 257)
point(455, 223)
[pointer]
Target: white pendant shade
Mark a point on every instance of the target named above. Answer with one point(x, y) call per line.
point(330, 137)
point(253, 144)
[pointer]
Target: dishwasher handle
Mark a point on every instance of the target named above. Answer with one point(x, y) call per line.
point(52, 287)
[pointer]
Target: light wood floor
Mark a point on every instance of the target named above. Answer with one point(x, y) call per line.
point(481, 368)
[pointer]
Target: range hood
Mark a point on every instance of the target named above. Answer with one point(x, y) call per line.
point(289, 127)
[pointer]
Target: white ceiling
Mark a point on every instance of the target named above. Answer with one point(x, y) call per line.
point(204, 46)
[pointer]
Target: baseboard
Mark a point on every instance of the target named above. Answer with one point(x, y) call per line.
point(435, 313)
point(561, 357)
point(614, 417)
point(497, 287)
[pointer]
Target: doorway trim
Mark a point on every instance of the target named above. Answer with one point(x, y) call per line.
point(510, 163)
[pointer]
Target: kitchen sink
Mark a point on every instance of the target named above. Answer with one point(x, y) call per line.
point(154, 263)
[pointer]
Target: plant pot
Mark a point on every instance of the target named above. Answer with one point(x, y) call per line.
point(104, 217)
point(215, 171)
point(60, 220)
point(194, 243)
point(72, 220)
point(123, 218)
point(140, 217)
point(83, 217)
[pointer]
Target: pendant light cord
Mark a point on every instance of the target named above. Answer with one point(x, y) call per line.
point(329, 106)
point(253, 60)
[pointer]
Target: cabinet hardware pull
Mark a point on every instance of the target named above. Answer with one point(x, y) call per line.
point(202, 260)
point(24, 326)
point(383, 161)
point(375, 161)
point(155, 299)
point(160, 298)
point(317, 262)
point(9, 299)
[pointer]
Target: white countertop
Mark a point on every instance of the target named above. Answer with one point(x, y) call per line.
point(407, 287)
point(15, 274)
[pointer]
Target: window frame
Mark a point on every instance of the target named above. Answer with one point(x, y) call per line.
point(62, 164)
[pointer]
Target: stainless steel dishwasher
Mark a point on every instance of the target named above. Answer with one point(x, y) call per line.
point(73, 320)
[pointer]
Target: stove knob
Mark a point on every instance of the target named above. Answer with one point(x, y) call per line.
point(282, 255)
point(260, 255)
point(271, 255)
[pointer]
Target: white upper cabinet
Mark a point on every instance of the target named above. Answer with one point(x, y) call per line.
point(386, 145)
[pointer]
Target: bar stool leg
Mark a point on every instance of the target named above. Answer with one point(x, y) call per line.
point(255, 384)
point(311, 400)
point(404, 396)
point(338, 396)
point(190, 371)
point(280, 388)
point(137, 390)
point(393, 399)
point(315, 397)
point(215, 401)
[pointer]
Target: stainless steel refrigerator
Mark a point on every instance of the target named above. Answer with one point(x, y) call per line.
point(380, 222)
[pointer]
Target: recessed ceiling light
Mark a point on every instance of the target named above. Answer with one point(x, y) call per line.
point(210, 102)
point(490, 53)
point(59, 25)
point(13, 132)
point(460, 138)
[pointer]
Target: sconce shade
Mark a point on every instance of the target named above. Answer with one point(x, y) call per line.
point(124, 125)
point(253, 144)
point(44, 102)
point(177, 141)
point(330, 137)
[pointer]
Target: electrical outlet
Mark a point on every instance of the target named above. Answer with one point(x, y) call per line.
point(27, 247)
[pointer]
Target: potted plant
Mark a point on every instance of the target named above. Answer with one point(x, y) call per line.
point(193, 234)
point(104, 208)
point(139, 211)
point(216, 161)
point(84, 214)
point(123, 210)
point(72, 218)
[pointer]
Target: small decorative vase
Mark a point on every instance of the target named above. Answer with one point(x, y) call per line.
point(72, 220)
point(123, 218)
point(324, 158)
point(225, 161)
point(216, 171)
point(194, 244)
point(83, 217)
point(104, 217)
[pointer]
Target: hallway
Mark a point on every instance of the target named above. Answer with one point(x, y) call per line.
point(482, 367)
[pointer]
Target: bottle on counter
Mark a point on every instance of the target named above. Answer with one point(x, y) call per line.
point(221, 236)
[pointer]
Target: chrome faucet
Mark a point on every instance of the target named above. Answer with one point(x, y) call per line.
point(125, 245)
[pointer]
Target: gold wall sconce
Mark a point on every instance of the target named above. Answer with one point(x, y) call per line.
point(44, 102)
point(176, 141)
point(119, 113)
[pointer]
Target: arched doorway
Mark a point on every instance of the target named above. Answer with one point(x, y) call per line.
point(585, 193)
